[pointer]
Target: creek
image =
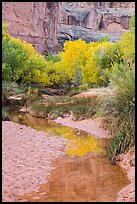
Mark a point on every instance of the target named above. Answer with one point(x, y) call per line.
point(83, 174)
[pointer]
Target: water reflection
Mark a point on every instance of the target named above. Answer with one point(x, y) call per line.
point(87, 178)
point(79, 142)
point(84, 174)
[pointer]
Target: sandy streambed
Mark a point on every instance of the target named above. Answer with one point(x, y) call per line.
point(26, 158)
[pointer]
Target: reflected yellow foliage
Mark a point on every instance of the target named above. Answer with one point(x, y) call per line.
point(82, 145)
point(78, 145)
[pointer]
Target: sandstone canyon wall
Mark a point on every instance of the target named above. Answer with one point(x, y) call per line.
point(35, 22)
point(92, 20)
point(44, 24)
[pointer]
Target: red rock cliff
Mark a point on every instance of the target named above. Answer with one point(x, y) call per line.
point(35, 22)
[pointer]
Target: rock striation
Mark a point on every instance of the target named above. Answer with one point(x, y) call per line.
point(92, 20)
point(75, 32)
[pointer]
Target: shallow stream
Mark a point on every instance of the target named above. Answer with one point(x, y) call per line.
point(83, 174)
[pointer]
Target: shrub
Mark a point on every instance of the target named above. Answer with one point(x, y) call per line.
point(81, 112)
point(53, 57)
point(119, 110)
point(51, 110)
point(30, 96)
point(10, 88)
point(83, 87)
point(117, 147)
point(83, 108)
point(5, 114)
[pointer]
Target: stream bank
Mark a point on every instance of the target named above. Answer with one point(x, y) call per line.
point(127, 162)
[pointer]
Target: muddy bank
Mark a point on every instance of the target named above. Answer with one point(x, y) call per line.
point(27, 157)
point(127, 162)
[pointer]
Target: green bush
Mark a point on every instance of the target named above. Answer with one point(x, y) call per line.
point(83, 87)
point(81, 112)
point(14, 58)
point(117, 147)
point(83, 108)
point(119, 110)
point(8, 89)
point(74, 91)
point(105, 60)
point(5, 114)
point(53, 58)
point(9, 85)
point(48, 111)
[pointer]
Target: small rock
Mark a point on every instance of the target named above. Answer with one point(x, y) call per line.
point(36, 198)
point(43, 193)
point(23, 200)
